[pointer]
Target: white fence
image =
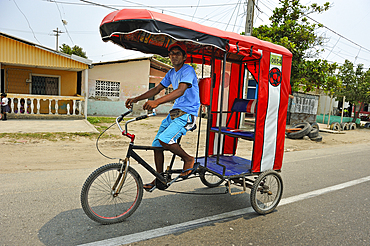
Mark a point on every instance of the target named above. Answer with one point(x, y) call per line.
point(21, 104)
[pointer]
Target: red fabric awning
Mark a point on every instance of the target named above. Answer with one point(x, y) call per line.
point(152, 32)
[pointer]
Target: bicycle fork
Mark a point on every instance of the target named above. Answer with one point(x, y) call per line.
point(116, 189)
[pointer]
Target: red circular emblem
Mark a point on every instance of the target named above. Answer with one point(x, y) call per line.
point(275, 77)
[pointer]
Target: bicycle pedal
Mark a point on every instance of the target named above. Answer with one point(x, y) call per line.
point(151, 189)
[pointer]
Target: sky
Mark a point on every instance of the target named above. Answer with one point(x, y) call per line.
point(347, 32)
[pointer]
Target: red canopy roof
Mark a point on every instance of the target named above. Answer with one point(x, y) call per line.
point(153, 32)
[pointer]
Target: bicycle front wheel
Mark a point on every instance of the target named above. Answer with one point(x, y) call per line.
point(97, 198)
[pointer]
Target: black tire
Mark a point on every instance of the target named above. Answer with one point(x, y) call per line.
point(352, 126)
point(306, 128)
point(317, 139)
point(335, 126)
point(344, 126)
point(266, 192)
point(315, 125)
point(313, 133)
point(210, 180)
point(98, 202)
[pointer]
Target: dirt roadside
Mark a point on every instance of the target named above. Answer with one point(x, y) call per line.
point(74, 152)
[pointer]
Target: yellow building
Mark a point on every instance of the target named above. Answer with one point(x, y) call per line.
point(41, 82)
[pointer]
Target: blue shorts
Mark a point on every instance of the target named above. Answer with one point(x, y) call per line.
point(171, 130)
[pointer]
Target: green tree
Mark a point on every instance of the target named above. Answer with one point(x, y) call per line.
point(291, 28)
point(319, 74)
point(356, 84)
point(167, 60)
point(75, 50)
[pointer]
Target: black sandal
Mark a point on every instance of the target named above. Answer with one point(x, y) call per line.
point(193, 169)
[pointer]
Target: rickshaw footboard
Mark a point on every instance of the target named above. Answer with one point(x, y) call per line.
point(234, 165)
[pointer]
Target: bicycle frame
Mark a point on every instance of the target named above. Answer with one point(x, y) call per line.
point(132, 153)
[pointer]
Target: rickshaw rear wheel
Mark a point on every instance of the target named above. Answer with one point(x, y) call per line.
point(210, 180)
point(266, 192)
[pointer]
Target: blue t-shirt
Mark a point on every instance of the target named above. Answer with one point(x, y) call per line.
point(189, 102)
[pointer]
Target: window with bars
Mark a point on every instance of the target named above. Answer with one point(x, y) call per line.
point(168, 91)
point(42, 85)
point(107, 88)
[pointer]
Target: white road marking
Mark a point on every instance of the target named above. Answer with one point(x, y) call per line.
point(145, 235)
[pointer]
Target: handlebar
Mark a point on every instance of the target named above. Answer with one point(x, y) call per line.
point(120, 118)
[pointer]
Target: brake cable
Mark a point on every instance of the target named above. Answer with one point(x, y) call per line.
point(97, 143)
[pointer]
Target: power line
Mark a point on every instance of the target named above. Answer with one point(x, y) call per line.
point(195, 10)
point(268, 4)
point(333, 48)
point(148, 6)
point(236, 6)
point(337, 33)
point(225, 12)
point(29, 25)
point(341, 36)
point(64, 24)
point(154, 6)
point(45, 33)
point(39, 33)
point(237, 14)
point(100, 5)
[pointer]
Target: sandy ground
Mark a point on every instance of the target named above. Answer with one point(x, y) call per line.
point(32, 154)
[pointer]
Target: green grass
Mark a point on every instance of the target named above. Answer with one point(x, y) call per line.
point(98, 120)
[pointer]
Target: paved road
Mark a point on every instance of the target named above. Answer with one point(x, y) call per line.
point(43, 208)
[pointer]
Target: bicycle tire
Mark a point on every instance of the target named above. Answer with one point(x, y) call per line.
point(97, 199)
point(266, 192)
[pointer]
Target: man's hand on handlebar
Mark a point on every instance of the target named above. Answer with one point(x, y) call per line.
point(149, 105)
point(130, 101)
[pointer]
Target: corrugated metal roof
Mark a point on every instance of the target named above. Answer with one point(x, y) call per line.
point(15, 51)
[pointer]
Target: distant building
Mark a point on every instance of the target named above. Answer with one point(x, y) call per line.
point(111, 83)
point(41, 82)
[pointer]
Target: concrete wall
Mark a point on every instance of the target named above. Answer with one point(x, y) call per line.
point(324, 105)
point(134, 80)
point(302, 108)
point(156, 77)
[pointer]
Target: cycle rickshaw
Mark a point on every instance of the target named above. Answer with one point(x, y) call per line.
point(113, 192)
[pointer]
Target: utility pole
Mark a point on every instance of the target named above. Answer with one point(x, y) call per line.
point(248, 32)
point(249, 19)
point(57, 37)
